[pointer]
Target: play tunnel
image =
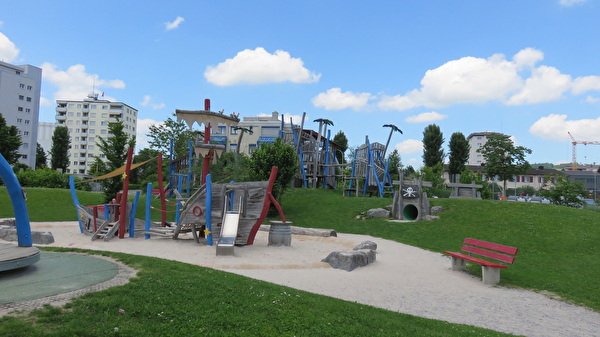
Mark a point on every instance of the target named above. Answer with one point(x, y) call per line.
point(410, 212)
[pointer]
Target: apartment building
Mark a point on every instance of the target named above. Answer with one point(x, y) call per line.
point(264, 129)
point(476, 141)
point(20, 105)
point(87, 122)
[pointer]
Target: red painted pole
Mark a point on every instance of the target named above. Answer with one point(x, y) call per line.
point(208, 157)
point(161, 193)
point(123, 214)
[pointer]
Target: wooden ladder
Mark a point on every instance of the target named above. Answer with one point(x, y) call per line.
point(106, 231)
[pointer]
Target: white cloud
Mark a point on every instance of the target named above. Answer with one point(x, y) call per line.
point(175, 24)
point(545, 84)
point(335, 99)
point(75, 82)
point(409, 146)
point(569, 3)
point(527, 58)
point(8, 50)
point(143, 127)
point(585, 83)
point(592, 100)
point(260, 67)
point(149, 102)
point(466, 80)
point(556, 127)
point(425, 117)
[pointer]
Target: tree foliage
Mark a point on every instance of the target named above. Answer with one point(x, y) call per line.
point(48, 178)
point(161, 134)
point(41, 160)
point(563, 192)
point(342, 141)
point(60, 149)
point(274, 154)
point(433, 140)
point(459, 154)
point(503, 158)
point(10, 141)
point(229, 168)
point(434, 174)
point(394, 163)
point(115, 150)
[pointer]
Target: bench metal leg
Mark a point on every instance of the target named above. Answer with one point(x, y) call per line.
point(458, 264)
point(490, 275)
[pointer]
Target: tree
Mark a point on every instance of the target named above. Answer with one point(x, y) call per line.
point(161, 134)
point(98, 167)
point(342, 141)
point(115, 150)
point(434, 174)
point(230, 167)
point(432, 145)
point(563, 192)
point(9, 142)
point(459, 154)
point(503, 158)
point(147, 173)
point(394, 163)
point(40, 157)
point(274, 154)
point(60, 149)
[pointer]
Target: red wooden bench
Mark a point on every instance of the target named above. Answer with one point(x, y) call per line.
point(490, 270)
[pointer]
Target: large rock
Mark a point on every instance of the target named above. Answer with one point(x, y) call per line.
point(350, 260)
point(378, 213)
point(435, 210)
point(38, 238)
point(8, 222)
point(366, 245)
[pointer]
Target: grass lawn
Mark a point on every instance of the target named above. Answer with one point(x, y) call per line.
point(558, 254)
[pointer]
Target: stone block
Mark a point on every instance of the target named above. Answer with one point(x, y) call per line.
point(366, 245)
point(350, 260)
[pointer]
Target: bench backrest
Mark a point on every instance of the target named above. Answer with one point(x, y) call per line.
point(490, 250)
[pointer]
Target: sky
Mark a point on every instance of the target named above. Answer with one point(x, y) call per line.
point(526, 68)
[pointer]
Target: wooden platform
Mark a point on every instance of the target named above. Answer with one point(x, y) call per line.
point(12, 256)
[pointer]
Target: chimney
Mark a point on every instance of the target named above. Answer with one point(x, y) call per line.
point(207, 104)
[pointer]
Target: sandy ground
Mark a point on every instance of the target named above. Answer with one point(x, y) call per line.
point(403, 279)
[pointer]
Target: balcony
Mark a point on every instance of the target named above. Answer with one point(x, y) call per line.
point(61, 109)
point(83, 151)
point(85, 118)
point(112, 120)
point(61, 118)
point(83, 142)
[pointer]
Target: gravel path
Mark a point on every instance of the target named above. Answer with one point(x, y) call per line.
point(404, 279)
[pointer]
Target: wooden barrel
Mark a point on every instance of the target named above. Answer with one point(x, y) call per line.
point(280, 234)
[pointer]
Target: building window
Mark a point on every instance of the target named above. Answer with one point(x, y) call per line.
point(22, 86)
point(29, 87)
point(25, 133)
point(105, 107)
point(20, 109)
point(19, 120)
point(28, 99)
point(93, 106)
point(78, 106)
point(93, 115)
point(71, 105)
point(103, 132)
point(21, 97)
point(28, 110)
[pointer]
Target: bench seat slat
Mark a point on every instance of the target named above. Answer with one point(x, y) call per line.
point(487, 253)
point(476, 260)
point(493, 246)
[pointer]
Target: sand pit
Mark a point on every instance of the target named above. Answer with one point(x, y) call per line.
point(403, 279)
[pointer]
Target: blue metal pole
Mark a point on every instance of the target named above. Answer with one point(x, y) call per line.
point(132, 215)
point(75, 201)
point(17, 197)
point(208, 211)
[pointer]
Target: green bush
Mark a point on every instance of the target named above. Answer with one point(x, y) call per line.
point(48, 178)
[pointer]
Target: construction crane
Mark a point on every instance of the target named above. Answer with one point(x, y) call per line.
point(575, 142)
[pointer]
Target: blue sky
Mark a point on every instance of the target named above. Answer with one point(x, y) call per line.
point(529, 69)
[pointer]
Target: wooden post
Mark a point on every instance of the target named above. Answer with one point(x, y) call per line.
point(208, 157)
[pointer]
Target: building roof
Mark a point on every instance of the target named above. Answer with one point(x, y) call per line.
point(485, 134)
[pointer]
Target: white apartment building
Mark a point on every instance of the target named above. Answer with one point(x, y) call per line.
point(45, 133)
point(87, 122)
point(476, 141)
point(264, 130)
point(20, 87)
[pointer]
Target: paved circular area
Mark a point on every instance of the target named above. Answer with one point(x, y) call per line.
point(57, 277)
